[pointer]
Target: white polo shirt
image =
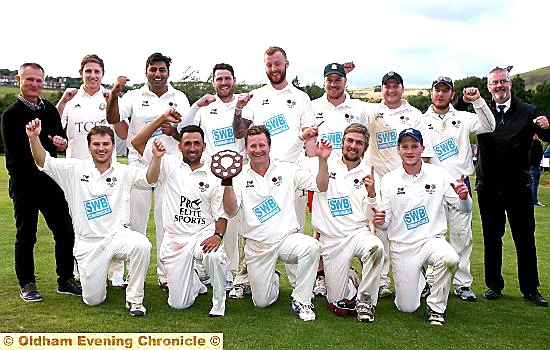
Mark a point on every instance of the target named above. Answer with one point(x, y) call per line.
point(267, 202)
point(216, 120)
point(143, 106)
point(345, 207)
point(415, 204)
point(336, 118)
point(99, 203)
point(80, 115)
point(192, 199)
point(450, 136)
point(384, 125)
point(285, 113)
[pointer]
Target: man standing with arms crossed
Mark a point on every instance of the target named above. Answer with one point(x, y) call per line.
point(393, 115)
point(449, 131)
point(98, 191)
point(46, 196)
point(142, 106)
point(503, 186)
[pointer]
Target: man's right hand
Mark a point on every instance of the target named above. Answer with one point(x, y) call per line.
point(242, 100)
point(119, 84)
point(33, 128)
point(68, 94)
point(206, 100)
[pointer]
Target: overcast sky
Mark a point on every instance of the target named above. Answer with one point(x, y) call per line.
point(419, 39)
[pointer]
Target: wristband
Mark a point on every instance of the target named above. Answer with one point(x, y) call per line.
point(219, 235)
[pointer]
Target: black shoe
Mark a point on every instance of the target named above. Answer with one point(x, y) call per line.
point(536, 299)
point(492, 294)
point(69, 287)
point(30, 293)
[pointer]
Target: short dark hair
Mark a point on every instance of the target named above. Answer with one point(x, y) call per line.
point(92, 58)
point(101, 130)
point(223, 66)
point(257, 130)
point(158, 57)
point(272, 49)
point(30, 64)
point(192, 128)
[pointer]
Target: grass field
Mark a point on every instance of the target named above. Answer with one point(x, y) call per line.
point(509, 323)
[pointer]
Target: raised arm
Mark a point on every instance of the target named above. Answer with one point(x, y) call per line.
point(113, 114)
point(240, 124)
point(323, 152)
point(33, 129)
point(144, 134)
point(153, 170)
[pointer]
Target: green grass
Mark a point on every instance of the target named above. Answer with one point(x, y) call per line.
point(509, 323)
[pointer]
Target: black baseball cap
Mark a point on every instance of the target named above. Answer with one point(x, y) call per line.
point(392, 75)
point(443, 80)
point(415, 134)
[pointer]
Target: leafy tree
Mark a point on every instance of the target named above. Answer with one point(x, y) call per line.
point(314, 91)
point(541, 98)
point(420, 101)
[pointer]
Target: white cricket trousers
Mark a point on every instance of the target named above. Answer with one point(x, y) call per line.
point(300, 207)
point(261, 261)
point(337, 258)
point(460, 236)
point(95, 255)
point(385, 271)
point(407, 260)
point(140, 206)
point(178, 252)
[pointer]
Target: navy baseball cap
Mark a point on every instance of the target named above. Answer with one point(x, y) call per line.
point(415, 134)
point(443, 80)
point(335, 68)
point(392, 75)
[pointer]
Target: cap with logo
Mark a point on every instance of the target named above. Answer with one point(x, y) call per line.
point(335, 68)
point(392, 75)
point(443, 80)
point(415, 134)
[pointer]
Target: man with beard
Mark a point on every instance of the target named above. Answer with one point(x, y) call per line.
point(214, 114)
point(393, 115)
point(194, 220)
point(341, 216)
point(503, 186)
point(264, 192)
point(333, 112)
point(450, 131)
point(98, 191)
point(136, 109)
point(413, 198)
point(288, 115)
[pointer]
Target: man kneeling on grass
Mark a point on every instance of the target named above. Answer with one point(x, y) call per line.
point(98, 194)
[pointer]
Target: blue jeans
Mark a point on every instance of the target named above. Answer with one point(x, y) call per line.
point(535, 178)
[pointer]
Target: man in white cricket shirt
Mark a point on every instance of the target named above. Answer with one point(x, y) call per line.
point(412, 213)
point(98, 193)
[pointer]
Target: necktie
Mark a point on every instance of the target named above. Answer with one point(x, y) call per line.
point(501, 113)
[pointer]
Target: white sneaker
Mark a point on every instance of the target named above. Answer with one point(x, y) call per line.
point(228, 285)
point(465, 293)
point(365, 311)
point(384, 291)
point(119, 282)
point(136, 309)
point(320, 289)
point(434, 318)
point(239, 291)
point(303, 311)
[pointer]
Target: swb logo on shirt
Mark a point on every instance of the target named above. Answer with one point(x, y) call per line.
point(386, 139)
point(266, 209)
point(416, 217)
point(340, 206)
point(97, 207)
point(335, 139)
point(446, 149)
point(223, 136)
point(276, 125)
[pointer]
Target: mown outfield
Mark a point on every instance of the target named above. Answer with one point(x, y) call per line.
point(509, 323)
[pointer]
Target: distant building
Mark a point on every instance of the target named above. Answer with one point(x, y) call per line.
point(9, 80)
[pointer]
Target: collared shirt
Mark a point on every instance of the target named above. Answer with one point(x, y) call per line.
point(192, 199)
point(142, 106)
point(267, 202)
point(285, 113)
point(450, 136)
point(415, 204)
point(99, 202)
point(31, 105)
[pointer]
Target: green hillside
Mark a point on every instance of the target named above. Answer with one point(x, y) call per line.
point(535, 77)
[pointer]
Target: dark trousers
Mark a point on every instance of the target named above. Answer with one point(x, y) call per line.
point(535, 179)
point(495, 205)
point(44, 195)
